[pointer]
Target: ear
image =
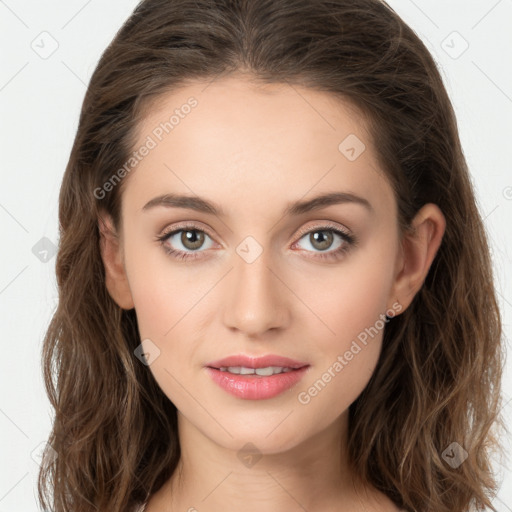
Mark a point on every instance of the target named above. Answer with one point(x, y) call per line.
point(419, 247)
point(111, 249)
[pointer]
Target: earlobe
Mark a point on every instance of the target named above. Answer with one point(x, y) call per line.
point(419, 249)
point(116, 279)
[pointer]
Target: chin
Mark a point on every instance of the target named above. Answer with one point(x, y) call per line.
point(269, 435)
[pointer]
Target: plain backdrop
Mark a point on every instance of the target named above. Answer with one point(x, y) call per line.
point(49, 50)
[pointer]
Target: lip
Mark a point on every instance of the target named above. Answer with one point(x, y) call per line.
point(256, 387)
point(257, 362)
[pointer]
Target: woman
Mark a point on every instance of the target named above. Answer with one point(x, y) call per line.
point(275, 285)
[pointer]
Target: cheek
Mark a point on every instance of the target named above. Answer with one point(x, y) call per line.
point(347, 359)
point(352, 308)
point(167, 301)
point(163, 293)
point(350, 299)
point(164, 303)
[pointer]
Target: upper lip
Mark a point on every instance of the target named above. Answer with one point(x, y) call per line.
point(257, 362)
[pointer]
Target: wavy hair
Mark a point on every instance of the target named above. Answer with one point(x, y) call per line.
point(439, 374)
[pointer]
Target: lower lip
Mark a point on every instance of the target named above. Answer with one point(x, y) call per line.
point(256, 387)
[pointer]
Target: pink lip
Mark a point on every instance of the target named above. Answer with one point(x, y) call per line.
point(257, 362)
point(256, 387)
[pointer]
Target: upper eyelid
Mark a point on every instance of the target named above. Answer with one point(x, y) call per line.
point(183, 227)
point(326, 225)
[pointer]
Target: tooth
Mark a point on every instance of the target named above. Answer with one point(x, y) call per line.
point(269, 370)
point(264, 372)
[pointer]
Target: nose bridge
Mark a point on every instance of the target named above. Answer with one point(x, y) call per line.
point(256, 298)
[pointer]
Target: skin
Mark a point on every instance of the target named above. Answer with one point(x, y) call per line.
point(253, 150)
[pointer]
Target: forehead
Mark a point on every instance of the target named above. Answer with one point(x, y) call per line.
point(247, 110)
point(268, 141)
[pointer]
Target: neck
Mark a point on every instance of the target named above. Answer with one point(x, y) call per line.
point(314, 475)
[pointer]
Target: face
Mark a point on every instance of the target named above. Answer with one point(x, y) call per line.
point(252, 266)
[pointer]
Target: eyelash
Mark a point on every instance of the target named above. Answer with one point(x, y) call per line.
point(348, 239)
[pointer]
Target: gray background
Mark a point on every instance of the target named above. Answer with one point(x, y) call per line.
point(49, 51)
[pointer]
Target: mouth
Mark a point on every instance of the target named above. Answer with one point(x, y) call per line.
point(263, 372)
point(256, 363)
point(256, 378)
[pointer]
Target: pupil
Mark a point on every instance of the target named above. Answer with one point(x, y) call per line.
point(192, 239)
point(319, 241)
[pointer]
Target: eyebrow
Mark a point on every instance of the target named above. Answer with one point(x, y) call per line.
point(296, 208)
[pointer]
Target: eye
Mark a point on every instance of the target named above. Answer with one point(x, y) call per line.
point(186, 242)
point(327, 242)
point(187, 238)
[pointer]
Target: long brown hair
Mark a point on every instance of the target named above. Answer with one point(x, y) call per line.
point(438, 378)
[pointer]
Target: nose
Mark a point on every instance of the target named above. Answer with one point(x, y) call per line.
point(257, 300)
